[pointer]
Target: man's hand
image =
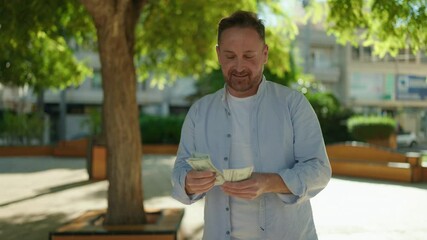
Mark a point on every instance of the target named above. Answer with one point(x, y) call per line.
point(197, 182)
point(255, 186)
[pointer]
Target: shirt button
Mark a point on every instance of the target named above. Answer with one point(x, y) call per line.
point(228, 135)
point(226, 159)
point(228, 232)
point(227, 209)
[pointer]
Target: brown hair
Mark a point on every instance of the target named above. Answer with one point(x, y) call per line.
point(242, 19)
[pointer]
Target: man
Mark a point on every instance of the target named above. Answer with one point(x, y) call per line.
point(252, 122)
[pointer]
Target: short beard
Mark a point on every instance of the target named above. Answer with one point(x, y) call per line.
point(250, 80)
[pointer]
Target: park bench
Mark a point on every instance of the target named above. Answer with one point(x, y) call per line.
point(357, 159)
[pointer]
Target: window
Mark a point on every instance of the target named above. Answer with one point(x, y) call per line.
point(321, 57)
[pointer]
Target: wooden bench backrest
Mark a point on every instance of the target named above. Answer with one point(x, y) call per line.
point(358, 152)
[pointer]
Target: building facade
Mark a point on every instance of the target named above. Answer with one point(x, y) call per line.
point(366, 83)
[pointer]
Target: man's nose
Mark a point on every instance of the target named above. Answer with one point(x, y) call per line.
point(239, 65)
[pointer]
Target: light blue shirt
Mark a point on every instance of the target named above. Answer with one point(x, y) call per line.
point(287, 140)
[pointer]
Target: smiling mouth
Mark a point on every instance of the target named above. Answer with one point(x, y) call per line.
point(240, 76)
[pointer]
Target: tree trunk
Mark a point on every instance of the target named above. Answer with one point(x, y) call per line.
point(115, 23)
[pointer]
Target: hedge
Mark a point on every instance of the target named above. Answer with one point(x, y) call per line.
point(161, 129)
point(371, 127)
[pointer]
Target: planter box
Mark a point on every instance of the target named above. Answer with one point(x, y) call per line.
point(164, 225)
point(98, 166)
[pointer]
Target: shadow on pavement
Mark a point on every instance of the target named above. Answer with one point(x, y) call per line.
point(38, 164)
point(49, 191)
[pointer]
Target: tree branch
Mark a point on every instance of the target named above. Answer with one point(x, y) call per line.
point(133, 12)
point(98, 9)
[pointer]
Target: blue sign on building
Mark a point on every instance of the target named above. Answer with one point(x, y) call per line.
point(409, 87)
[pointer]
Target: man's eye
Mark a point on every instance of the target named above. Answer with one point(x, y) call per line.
point(229, 57)
point(249, 56)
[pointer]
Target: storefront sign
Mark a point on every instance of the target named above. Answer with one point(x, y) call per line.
point(409, 87)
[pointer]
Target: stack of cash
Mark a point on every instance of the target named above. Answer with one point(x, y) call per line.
point(202, 162)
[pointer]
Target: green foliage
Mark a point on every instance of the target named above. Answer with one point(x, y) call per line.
point(93, 122)
point(36, 50)
point(387, 25)
point(187, 48)
point(207, 84)
point(34, 43)
point(324, 104)
point(371, 127)
point(331, 115)
point(285, 76)
point(21, 129)
point(161, 130)
point(154, 129)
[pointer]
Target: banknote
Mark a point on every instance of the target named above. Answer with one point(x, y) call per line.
point(202, 162)
point(234, 175)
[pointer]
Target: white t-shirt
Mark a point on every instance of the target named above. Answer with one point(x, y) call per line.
point(244, 213)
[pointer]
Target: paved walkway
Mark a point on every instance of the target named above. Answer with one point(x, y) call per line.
point(40, 194)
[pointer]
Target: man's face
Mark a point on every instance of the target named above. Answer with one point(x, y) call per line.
point(242, 54)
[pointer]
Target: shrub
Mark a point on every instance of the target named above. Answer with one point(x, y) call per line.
point(332, 117)
point(371, 127)
point(161, 129)
point(21, 129)
point(154, 129)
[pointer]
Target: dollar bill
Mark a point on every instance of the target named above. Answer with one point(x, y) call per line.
point(234, 175)
point(202, 162)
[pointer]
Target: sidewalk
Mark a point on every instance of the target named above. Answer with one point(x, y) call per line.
point(40, 194)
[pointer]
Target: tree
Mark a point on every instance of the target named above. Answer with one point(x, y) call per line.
point(163, 38)
point(387, 25)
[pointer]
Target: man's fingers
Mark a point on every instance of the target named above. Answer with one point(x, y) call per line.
point(240, 185)
point(246, 189)
point(200, 174)
point(249, 190)
point(242, 194)
point(199, 181)
point(200, 185)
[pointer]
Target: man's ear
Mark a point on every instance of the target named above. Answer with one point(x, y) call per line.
point(265, 53)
